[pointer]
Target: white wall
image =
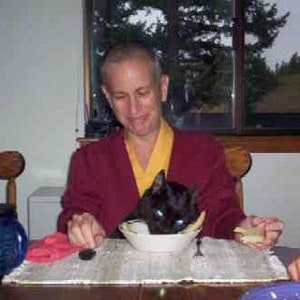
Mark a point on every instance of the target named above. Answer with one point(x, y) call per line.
point(272, 188)
point(40, 84)
point(40, 76)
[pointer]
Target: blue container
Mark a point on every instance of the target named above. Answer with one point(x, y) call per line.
point(13, 240)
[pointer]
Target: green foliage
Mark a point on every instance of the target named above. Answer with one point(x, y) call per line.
point(190, 39)
point(260, 80)
point(290, 68)
point(263, 23)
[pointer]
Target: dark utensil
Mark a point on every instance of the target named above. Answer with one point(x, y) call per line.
point(198, 244)
point(86, 254)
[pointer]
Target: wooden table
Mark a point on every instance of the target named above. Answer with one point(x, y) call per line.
point(174, 292)
point(180, 291)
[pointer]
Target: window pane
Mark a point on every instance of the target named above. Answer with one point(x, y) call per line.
point(273, 67)
point(194, 39)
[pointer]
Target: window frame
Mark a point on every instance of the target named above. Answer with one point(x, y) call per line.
point(270, 140)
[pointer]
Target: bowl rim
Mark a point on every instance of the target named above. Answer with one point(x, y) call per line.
point(195, 232)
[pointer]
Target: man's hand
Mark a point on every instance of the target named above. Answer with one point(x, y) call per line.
point(271, 227)
point(85, 231)
point(294, 269)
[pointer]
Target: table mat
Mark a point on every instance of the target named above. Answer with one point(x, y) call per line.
point(116, 262)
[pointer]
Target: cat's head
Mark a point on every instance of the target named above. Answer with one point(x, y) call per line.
point(168, 207)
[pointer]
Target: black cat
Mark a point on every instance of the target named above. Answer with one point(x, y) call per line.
point(167, 207)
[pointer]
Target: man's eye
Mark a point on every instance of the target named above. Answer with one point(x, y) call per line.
point(118, 97)
point(143, 92)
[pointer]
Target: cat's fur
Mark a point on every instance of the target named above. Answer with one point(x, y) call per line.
point(167, 207)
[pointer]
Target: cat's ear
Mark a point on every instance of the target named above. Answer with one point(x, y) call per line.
point(194, 193)
point(159, 181)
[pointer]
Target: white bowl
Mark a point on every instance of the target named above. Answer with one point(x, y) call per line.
point(158, 242)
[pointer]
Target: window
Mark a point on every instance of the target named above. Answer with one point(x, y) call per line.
point(227, 75)
point(273, 68)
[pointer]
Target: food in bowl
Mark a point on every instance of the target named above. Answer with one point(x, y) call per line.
point(138, 235)
point(158, 242)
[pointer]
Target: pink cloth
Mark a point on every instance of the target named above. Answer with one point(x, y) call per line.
point(51, 248)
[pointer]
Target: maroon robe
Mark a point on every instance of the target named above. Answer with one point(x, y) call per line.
point(101, 182)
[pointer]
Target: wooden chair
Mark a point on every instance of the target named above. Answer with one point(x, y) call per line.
point(238, 162)
point(12, 164)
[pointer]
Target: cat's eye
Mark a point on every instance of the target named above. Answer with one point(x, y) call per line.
point(159, 213)
point(178, 222)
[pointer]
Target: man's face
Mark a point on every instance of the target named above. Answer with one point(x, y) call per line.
point(135, 96)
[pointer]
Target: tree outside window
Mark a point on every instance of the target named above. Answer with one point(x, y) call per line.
point(220, 82)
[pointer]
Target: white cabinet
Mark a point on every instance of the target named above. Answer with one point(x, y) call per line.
point(44, 206)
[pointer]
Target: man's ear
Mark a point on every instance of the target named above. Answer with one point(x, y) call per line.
point(106, 94)
point(164, 85)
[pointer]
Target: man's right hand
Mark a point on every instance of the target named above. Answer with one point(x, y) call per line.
point(294, 269)
point(85, 231)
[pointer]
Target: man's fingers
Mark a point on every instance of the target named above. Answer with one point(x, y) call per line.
point(97, 229)
point(273, 235)
point(75, 232)
point(72, 239)
point(85, 231)
point(275, 226)
point(98, 233)
point(98, 239)
point(78, 237)
point(257, 221)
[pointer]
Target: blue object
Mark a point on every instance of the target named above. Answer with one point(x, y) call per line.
point(13, 240)
point(280, 291)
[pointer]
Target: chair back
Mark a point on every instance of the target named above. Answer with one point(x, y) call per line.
point(12, 164)
point(238, 162)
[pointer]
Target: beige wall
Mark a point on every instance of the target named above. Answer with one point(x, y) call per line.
point(40, 84)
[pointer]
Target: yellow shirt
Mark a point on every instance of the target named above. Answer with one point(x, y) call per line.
point(159, 159)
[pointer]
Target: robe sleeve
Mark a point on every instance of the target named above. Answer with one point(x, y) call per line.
point(218, 197)
point(80, 195)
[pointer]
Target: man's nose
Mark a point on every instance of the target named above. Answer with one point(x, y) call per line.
point(134, 105)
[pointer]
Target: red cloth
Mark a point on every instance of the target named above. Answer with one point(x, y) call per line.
point(102, 182)
point(51, 248)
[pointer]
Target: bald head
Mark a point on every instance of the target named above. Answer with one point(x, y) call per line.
point(129, 51)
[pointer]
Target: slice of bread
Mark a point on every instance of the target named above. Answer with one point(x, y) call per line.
point(250, 235)
point(196, 225)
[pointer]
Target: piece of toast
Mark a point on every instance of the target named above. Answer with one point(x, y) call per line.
point(196, 225)
point(250, 235)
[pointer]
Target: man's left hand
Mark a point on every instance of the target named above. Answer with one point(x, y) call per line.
point(271, 226)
